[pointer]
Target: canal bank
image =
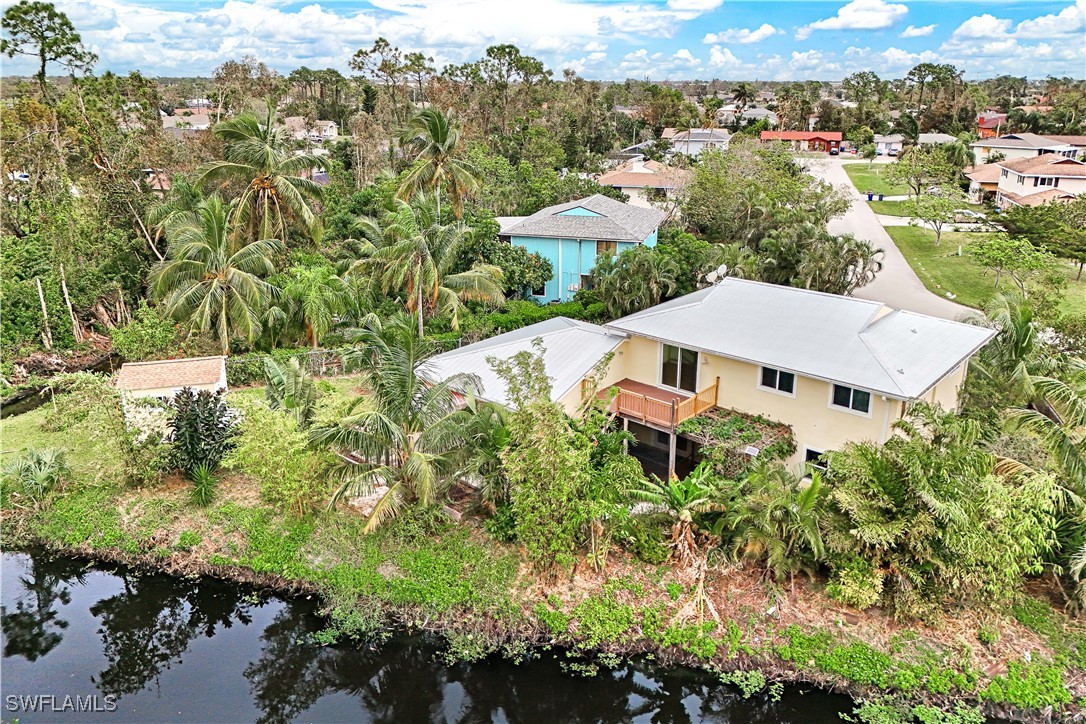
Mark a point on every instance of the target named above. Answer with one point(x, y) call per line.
point(156, 648)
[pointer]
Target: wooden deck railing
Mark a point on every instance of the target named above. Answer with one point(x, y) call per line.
point(661, 413)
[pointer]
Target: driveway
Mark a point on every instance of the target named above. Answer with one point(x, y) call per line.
point(896, 285)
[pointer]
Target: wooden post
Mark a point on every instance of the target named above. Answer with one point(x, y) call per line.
point(76, 331)
point(46, 333)
point(625, 428)
point(671, 455)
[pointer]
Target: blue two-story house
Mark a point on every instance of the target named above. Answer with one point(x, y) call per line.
point(573, 234)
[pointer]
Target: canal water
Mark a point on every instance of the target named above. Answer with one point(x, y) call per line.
point(86, 643)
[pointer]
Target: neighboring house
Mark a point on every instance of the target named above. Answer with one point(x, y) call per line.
point(696, 140)
point(165, 378)
point(805, 140)
point(646, 181)
point(573, 234)
point(730, 114)
point(886, 144)
point(315, 131)
point(668, 133)
point(1040, 179)
point(1022, 145)
point(834, 369)
point(159, 181)
point(983, 182)
point(188, 120)
point(935, 139)
point(990, 123)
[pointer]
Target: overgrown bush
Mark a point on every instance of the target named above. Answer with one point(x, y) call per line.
point(34, 474)
point(645, 537)
point(271, 448)
point(147, 337)
point(856, 583)
point(203, 429)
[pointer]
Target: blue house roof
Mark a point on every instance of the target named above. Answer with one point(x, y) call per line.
point(597, 217)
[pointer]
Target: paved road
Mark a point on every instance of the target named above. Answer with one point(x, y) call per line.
point(897, 284)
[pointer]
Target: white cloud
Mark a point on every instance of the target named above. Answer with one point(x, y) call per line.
point(741, 35)
point(697, 5)
point(917, 32)
point(858, 15)
point(983, 26)
point(1069, 21)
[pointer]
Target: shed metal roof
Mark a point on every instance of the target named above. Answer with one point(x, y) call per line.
point(852, 341)
point(572, 350)
point(610, 220)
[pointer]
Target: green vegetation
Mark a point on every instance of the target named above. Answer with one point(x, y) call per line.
point(872, 178)
point(942, 270)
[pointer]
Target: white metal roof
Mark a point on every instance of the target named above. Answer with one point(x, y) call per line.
point(852, 341)
point(572, 349)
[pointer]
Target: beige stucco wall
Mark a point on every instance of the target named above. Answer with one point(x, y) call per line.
point(817, 424)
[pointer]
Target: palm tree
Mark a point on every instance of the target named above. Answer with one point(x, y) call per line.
point(1064, 433)
point(636, 279)
point(290, 388)
point(414, 252)
point(775, 519)
point(744, 94)
point(1015, 357)
point(183, 198)
point(210, 280)
point(408, 433)
point(838, 264)
point(319, 296)
point(432, 138)
point(909, 127)
point(683, 500)
point(277, 187)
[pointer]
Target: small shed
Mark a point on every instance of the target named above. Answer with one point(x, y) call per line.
point(165, 378)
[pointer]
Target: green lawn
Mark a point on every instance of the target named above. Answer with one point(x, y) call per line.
point(888, 208)
point(897, 208)
point(942, 270)
point(866, 179)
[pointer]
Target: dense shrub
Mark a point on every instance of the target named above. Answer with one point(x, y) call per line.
point(856, 583)
point(271, 447)
point(147, 337)
point(35, 473)
point(203, 429)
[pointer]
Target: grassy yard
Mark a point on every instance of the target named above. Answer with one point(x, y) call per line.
point(897, 208)
point(866, 179)
point(942, 270)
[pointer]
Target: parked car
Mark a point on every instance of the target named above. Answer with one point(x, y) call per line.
point(967, 216)
point(834, 152)
point(879, 152)
point(892, 152)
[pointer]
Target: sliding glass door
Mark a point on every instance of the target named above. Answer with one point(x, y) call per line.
point(679, 368)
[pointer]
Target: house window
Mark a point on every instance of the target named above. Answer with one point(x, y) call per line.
point(539, 291)
point(1004, 173)
point(586, 281)
point(606, 247)
point(679, 368)
point(1044, 181)
point(814, 459)
point(1021, 179)
point(779, 380)
point(852, 399)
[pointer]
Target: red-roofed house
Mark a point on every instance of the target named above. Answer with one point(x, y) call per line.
point(806, 140)
point(989, 124)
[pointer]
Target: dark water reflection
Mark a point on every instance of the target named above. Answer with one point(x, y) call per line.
point(174, 649)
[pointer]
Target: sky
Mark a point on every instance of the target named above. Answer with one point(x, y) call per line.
point(600, 39)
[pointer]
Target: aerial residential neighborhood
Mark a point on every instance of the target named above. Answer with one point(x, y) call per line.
point(568, 361)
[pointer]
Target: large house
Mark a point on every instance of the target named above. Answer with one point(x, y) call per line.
point(889, 144)
point(833, 369)
point(1021, 145)
point(646, 181)
point(1040, 179)
point(573, 234)
point(806, 140)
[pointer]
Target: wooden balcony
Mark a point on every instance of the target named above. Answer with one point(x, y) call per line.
point(659, 407)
